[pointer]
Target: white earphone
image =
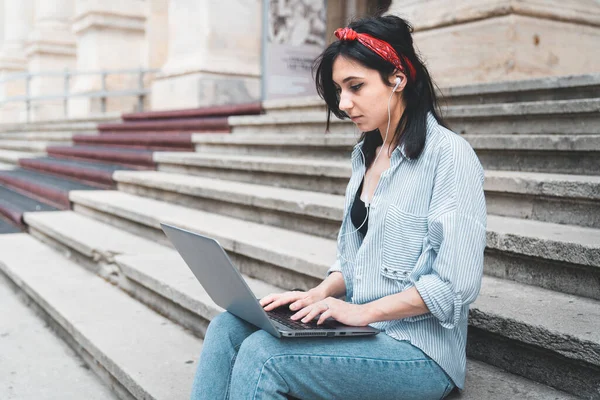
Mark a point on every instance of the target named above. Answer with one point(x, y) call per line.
point(398, 81)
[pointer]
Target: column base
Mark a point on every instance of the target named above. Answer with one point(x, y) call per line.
point(200, 89)
point(509, 47)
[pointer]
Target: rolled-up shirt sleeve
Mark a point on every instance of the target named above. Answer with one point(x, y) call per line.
point(456, 234)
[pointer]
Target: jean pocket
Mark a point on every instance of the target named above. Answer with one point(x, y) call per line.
point(402, 242)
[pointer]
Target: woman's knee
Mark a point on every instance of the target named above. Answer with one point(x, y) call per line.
point(257, 349)
point(223, 323)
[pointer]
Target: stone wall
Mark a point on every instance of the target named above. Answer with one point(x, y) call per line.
point(209, 52)
point(469, 41)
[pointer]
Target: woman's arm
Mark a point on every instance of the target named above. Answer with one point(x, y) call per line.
point(333, 285)
point(396, 306)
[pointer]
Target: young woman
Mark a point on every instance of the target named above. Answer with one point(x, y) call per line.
point(410, 247)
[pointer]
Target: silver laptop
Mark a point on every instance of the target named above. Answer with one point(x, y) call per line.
point(225, 285)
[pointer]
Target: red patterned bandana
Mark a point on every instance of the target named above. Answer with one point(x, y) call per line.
point(382, 48)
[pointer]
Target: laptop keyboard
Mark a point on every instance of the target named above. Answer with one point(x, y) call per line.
point(282, 315)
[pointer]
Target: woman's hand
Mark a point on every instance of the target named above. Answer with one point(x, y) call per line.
point(298, 299)
point(341, 311)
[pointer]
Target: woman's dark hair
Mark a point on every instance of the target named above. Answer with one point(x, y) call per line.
point(419, 94)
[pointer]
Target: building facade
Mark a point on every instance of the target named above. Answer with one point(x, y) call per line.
point(204, 52)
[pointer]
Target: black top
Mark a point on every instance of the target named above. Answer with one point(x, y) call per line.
point(358, 212)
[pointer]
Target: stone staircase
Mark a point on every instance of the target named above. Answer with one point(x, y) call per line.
point(272, 194)
point(47, 163)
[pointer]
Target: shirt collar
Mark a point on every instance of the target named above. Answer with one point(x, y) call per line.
point(399, 152)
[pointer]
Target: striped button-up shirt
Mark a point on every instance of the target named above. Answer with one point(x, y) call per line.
point(427, 229)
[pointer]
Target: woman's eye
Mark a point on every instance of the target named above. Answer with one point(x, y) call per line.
point(356, 87)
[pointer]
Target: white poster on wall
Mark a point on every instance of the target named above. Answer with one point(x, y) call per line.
point(295, 37)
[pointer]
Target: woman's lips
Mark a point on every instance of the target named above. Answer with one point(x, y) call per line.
point(354, 119)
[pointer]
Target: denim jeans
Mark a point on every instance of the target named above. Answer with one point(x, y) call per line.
point(240, 361)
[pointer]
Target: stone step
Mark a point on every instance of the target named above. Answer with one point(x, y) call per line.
point(278, 256)
point(133, 158)
point(539, 89)
point(558, 257)
point(7, 226)
point(46, 188)
point(579, 116)
point(561, 154)
point(75, 125)
point(5, 167)
point(558, 198)
point(42, 136)
point(90, 173)
point(28, 146)
point(177, 288)
point(205, 124)
point(13, 157)
point(148, 141)
point(212, 111)
point(136, 264)
point(40, 371)
point(119, 338)
point(299, 210)
point(317, 175)
point(13, 204)
point(567, 117)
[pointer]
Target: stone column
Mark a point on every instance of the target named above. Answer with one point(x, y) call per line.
point(470, 41)
point(50, 48)
point(18, 20)
point(110, 35)
point(214, 54)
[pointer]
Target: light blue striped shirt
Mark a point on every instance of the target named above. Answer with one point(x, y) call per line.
point(426, 228)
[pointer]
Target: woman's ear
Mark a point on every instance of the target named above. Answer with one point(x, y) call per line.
point(398, 80)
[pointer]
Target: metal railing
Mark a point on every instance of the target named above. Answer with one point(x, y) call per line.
point(103, 94)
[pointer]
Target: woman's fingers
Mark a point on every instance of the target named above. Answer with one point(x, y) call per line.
point(273, 301)
point(328, 313)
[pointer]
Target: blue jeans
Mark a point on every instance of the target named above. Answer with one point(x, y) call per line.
point(240, 361)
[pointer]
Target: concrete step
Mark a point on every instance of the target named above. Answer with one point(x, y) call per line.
point(13, 204)
point(558, 198)
point(557, 257)
point(549, 337)
point(183, 299)
point(148, 141)
point(299, 210)
point(567, 117)
point(90, 173)
point(560, 154)
point(46, 188)
point(329, 146)
point(325, 176)
point(277, 256)
point(41, 136)
point(578, 116)
point(212, 111)
point(118, 337)
point(7, 226)
point(539, 89)
point(37, 365)
point(204, 124)
point(75, 125)
point(135, 264)
point(127, 157)
point(28, 146)
point(13, 157)
point(5, 167)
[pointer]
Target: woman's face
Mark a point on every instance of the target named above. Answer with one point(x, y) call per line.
point(364, 96)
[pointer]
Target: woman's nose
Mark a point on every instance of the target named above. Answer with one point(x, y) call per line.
point(345, 103)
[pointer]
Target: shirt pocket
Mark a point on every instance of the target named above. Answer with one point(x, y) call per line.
point(403, 236)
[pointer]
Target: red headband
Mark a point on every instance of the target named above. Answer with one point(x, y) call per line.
point(382, 48)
